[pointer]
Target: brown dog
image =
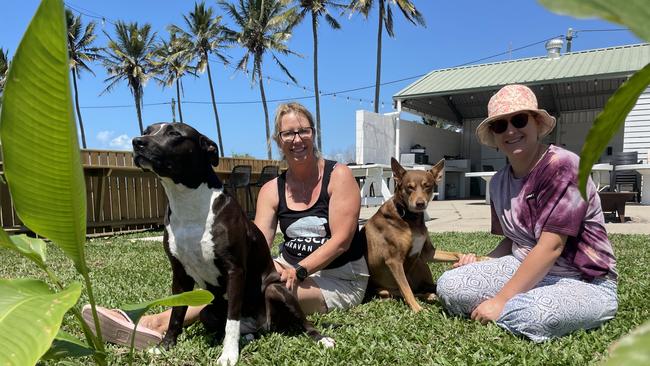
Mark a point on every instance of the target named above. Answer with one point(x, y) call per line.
point(398, 241)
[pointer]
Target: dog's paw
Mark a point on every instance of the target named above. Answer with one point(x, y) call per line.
point(155, 351)
point(228, 358)
point(167, 343)
point(327, 342)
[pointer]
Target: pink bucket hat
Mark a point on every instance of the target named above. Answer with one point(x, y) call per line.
point(509, 100)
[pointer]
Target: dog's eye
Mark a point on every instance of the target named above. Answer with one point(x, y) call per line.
point(174, 133)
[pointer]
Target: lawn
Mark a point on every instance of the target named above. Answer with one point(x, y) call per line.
point(127, 270)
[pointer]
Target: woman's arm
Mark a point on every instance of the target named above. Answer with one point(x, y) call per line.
point(534, 267)
point(344, 207)
point(266, 218)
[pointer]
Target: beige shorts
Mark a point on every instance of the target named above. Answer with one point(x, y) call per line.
point(342, 287)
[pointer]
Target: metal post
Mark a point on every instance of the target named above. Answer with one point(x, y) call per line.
point(569, 38)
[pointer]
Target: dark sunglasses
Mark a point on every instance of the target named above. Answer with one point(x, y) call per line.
point(519, 120)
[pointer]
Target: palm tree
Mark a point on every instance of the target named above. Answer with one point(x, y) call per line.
point(207, 36)
point(264, 26)
point(4, 70)
point(129, 58)
point(80, 52)
point(386, 19)
point(172, 62)
point(317, 8)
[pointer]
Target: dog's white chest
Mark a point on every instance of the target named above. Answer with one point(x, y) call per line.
point(417, 242)
point(190, 230)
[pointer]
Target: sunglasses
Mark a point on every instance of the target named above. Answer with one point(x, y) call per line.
point(304, 133)
point(519, 120)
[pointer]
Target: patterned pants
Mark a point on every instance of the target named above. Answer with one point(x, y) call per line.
point(555, 307)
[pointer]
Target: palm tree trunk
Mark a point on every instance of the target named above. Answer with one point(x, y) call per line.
point(378, 77)
point(76, 100)
point(138, 109)
point(314, 31)
point(214, 104)
point(178, 95)
point(266, 109)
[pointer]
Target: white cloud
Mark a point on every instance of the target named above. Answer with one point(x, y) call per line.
point(105, 136)
point(121, 142)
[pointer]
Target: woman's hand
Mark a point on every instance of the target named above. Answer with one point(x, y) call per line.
point(489, 310)
point(288, 275)
point(465, 259)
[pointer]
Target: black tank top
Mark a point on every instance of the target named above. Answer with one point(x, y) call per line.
point(305, 231)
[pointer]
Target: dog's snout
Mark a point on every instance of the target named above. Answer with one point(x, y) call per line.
point(138, 143)
point(421, 203)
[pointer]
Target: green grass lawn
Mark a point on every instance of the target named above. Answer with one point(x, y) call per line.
point(126, 270)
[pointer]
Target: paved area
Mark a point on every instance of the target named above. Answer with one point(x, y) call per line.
point(474, 215)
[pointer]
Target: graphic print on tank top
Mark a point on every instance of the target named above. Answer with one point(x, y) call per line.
point(305, 235)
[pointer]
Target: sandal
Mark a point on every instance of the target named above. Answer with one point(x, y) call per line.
point(117, 327)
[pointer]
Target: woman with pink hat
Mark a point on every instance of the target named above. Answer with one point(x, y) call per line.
point(554, 271)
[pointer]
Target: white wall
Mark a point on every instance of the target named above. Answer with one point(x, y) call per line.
point(573, 128)
point(438, 142)
point(637, 127)
point(375, 138)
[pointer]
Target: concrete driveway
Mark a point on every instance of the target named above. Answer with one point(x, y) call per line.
point(474, 215)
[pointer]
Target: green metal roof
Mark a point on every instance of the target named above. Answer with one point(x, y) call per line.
point(611, 62)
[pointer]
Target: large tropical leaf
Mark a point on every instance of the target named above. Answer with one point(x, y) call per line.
point(30, 317)
point(633, 349)
point(634, 14)
point(609, 121)
point(32, 248)
point(191, 298)
point(39, 138)
point(66, 345)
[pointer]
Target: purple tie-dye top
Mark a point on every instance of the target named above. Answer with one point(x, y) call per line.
point(547, 199)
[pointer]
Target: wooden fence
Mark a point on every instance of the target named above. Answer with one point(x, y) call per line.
point(121, 197)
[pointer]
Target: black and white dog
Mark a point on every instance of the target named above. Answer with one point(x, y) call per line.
point(210, 242)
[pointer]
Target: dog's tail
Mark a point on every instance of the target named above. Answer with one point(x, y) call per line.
point(443, 256)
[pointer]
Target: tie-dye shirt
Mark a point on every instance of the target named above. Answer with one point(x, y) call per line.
point(548, 199)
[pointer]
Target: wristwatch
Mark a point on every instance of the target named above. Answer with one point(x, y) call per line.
point(301, 272)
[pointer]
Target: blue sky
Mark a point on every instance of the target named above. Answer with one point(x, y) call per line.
point(457, 32)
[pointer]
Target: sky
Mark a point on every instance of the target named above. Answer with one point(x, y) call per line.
point(457, 32)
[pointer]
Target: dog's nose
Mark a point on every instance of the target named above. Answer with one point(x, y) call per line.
point(138, 143)
point(420, 204)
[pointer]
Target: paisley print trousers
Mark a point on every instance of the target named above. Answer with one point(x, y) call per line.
point(555, 307)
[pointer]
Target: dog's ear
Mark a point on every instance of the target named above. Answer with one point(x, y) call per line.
point(398, 171)
point(438, 170)
point(210, 149)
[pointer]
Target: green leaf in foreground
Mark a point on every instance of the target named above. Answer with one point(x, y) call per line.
point(633, 349)
point(633, 14)
point(39, 139)
point(190, 298)
point(32, 248)
point(66, 345)
point(30, 317)
point(609, 121)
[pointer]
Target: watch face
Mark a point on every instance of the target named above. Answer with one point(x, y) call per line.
point(301, 273)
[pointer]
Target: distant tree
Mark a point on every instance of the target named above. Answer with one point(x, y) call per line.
point(172, 61)
point(4, 69)
point(318, 8)
point(129, 58)
point(207, 36)
point(242, 155)
point(80, 51)
point(262, 26)
point(386, 19)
